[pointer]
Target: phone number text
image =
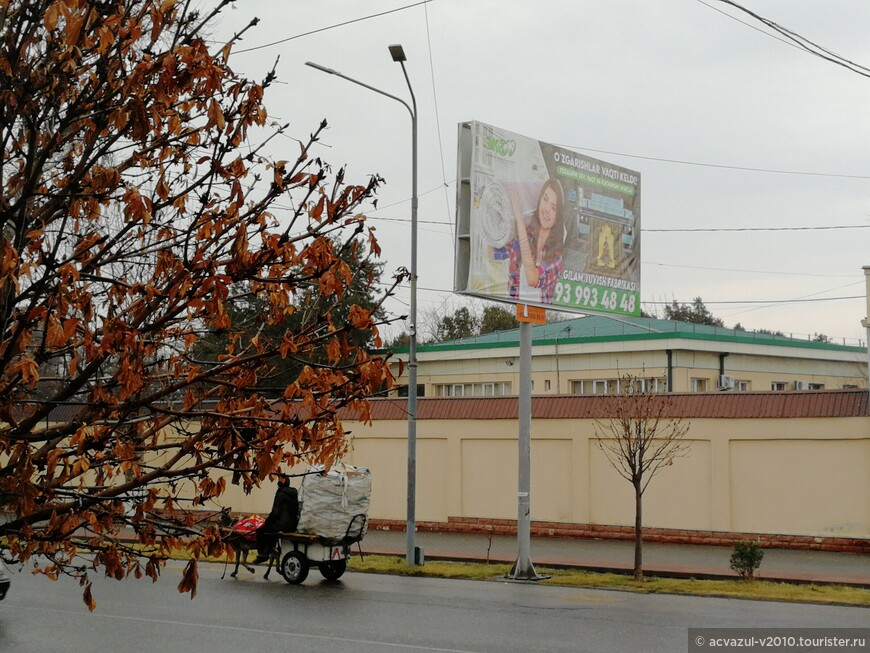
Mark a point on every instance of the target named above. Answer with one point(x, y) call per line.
point(579, 295)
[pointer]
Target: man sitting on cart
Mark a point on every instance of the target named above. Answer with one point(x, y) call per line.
point(284, 518)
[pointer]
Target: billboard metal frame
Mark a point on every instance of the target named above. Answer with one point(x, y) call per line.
point(593, 268)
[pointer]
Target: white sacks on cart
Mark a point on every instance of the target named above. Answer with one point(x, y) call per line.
point(329, 501)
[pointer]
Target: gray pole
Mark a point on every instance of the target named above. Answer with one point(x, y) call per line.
point(414, 556)
point(866, 320)
point(523, 568)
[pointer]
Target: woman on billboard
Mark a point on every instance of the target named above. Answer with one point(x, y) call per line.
point(536, 254)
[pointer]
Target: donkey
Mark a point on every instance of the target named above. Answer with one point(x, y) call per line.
point(242, 544)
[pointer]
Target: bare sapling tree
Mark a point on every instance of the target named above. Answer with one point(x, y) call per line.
point(640, 436)
point(141, 198)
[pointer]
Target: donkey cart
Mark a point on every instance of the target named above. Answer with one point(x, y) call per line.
point(329, 555)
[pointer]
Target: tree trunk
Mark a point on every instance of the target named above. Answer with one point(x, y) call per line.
point(638, 532)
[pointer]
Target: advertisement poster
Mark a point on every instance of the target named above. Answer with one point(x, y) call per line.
point(542, 225)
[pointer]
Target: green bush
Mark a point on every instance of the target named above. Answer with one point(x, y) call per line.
point(746, 558)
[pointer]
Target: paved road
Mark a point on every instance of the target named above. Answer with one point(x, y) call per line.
point(371, 613)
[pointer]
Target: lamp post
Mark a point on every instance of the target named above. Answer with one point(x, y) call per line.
point(414, 556)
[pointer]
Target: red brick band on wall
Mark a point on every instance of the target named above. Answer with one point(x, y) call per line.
point(473, 525)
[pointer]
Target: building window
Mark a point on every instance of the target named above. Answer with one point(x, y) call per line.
point(778, 386)
point(699, 384)
point(599, 387)
point(594, 387)
point(472, 389)
point(547, 385)
point(650, 384)
point(402, 390)
point(743, 386)
point(614, 386)
point(817, 386)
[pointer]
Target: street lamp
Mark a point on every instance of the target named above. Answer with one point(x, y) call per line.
point(398, 54)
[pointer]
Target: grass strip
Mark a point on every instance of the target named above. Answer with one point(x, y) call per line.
point(759, 590)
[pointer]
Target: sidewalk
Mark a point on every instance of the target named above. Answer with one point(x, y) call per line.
point(673, 560)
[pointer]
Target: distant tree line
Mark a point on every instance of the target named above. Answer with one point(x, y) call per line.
point(459, 323)
point(443, 325)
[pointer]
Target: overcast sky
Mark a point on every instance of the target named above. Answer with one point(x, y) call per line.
point(729, 127)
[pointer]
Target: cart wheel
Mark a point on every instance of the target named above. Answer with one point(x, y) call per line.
point(333, 569)
point(294, 568)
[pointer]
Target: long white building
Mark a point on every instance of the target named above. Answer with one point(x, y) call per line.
point(589, 355)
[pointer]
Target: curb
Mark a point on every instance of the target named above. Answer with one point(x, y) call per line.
point(652, 570)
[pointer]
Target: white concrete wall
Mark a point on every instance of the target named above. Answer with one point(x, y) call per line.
point(785, 476)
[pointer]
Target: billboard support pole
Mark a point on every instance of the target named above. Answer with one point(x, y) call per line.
point(523, 568)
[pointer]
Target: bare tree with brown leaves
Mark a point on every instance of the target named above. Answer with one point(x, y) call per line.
point(640, 437)
point(137, 201)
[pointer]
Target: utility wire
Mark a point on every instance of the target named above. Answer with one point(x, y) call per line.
point(329, 27)
point(372, 216)
point(740, 302)
point(721, 229)
point(777, 272)
point(431, 190)
point(675, 230)
point(750, 26)
point(736, 302)
point(717, 165)
point(437, 120)
point(408, 220)
point(802, 42)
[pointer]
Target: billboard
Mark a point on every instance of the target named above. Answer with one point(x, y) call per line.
point(542, 225)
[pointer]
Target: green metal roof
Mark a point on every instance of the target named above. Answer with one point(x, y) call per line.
point(601, 328)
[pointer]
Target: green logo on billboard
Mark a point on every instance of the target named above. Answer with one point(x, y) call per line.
point(500, 146)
